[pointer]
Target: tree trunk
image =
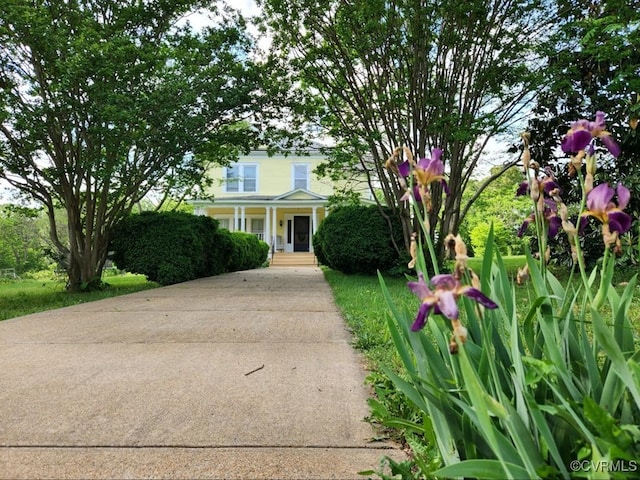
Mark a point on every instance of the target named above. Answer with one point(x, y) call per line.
point(88, 249)
point(85, 268)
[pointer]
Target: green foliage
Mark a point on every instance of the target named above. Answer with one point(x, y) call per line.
point(357, 239)
point(532, 395)
point(218, 245)
point(23, 238)
point(480, 233)
point(159, 246)
point(525, 398)
point(248, 252)
point(362, 304)
point(103, 101)
point(377, 74)
point(592, 64)
point(498, 204)
point(173, 247)
point(630, 243)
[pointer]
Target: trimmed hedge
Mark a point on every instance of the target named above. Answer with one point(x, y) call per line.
point(248, 252)
point(173, 247)
point(357, 239)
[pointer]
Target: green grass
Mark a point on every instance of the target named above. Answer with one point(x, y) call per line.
point(360, 300)
point(511, 262)
point(22, 297)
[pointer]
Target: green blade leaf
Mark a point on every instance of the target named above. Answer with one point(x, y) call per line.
point(485, 469)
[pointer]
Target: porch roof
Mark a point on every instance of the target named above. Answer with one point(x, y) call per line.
point(298, 197)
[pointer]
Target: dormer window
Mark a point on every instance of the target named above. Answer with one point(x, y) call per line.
point(241, 177)
point(301, 175)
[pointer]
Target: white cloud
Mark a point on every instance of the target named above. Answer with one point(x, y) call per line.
point(247, 7)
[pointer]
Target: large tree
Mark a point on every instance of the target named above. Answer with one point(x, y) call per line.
point(592, 63)
point(102, 100)
point(381, 74)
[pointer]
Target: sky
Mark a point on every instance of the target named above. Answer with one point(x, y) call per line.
point(247, 7)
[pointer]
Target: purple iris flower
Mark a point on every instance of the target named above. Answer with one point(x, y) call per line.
point(523, 188)
point(426, 171)
point(443, 299)
point(601, 206)
point(405, 168)
point(550, 212)
point(581, 133)
point(547, 184)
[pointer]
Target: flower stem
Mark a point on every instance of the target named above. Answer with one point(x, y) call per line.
point(583, 272)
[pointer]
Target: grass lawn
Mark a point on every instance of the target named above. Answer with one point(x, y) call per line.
point(363, 307)
point(22, 297)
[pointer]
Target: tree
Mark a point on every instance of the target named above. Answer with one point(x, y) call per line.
point(498, 203)
point(22, 238)
point(381, 74)
point(101, 100)
point(591, 64)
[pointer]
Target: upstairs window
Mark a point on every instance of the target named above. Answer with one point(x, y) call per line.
point(241, 177)
point(301, 176)
point(232, 180)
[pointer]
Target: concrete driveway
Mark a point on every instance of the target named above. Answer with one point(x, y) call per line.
point(248, 375)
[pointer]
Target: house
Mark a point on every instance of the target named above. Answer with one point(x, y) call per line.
point(277, 198)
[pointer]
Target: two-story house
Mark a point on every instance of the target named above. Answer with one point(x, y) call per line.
point(278, 198)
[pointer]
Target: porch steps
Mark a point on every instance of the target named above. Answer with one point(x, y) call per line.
point(296, 259)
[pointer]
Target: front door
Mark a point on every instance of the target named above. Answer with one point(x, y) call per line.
point(301, 234)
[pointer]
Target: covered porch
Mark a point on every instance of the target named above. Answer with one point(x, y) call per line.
point(286, 222)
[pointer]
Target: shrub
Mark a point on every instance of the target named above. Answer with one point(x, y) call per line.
point(318, 241)
point(248, 252)
point(480, 233)
point(218, 247)
point(170, 247)
point(357, 239)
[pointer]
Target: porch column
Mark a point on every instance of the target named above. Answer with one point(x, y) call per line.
point(267, 226)
point(274, 225)
point(235, 219)
point(314, 220)
point(314, 226)
point(243, 219)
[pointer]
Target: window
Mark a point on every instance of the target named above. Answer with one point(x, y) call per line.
point(250, 178)
point(232, 180)
point(224, 222)
point(257, 227)
point(301, 176)
point(241, 178)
